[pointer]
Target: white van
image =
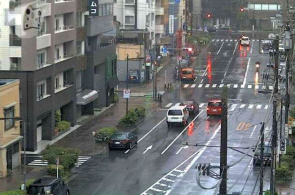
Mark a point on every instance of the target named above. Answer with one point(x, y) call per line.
point(245, 41)
point(177, 114)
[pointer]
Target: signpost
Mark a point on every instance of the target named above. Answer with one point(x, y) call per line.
point(163, 50)
point(57, 164)
point(126, 93)
point(93, 7)
point(171, 24)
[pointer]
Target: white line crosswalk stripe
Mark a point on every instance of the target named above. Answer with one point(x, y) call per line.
point(80, 161)
point(232, 108)
point(193, 85)
point(242, 105)
point(213, 40)
point(266, 107)
point(200, 85)
point(242, 86)
point(256, 86)
point(221, 85)
point(236, 86)
point(228, 85)
point(214, 85)
point(168, 105)
point(258, 106)
point(271, 87)
point(222, 40)
point(250, 106)
point(201, 105)
point(186, 85)
point(207, 85)
point(249, 86)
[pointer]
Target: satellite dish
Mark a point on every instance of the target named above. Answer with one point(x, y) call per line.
point(272, 36)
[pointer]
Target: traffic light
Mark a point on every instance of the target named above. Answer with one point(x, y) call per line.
point(241, 9)
point(208, 16)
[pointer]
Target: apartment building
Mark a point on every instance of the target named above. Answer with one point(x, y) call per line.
point(56, 64)
point(10, 128)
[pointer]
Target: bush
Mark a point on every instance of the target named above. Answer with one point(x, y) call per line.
point(28, 183)
point(140, 111)
point(57, 116)
point(267, 192)
point(290, 150)
point(105, 133)
point(292, 112)
point(283, 173)
point(51, 170)
point(130, 118)
point(14, 192)
point(116, 97)
point(63, 125)
point(67, 156)
point(288, 159)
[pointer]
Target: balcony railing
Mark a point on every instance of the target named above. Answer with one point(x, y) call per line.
point(15, 66)
point(14, 40)
point(65, 56)
point(101, 45)
point(62, 0)
point(69, 27)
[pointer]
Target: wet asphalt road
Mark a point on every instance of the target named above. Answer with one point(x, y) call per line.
point(162, 163)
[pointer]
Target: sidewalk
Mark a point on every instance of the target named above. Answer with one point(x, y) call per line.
point(81, 137)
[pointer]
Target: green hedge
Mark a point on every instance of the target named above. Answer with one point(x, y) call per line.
point(67, 156)
point(288, 159)
point(267, 192)
point(14, 192)
point(28, 183)
point(284, 173)
point(116, 97)
point(292, 111)
point(63, 125)
point(51, 170)
point(132, 116)
point(290, 150)
point(105, 133)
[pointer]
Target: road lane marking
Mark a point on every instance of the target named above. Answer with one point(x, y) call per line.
point(168, 105)
point(251, 50)
point(181, 133)
point(249, 86)
point(157, 190)
point(253, 131)
point(186, 85)
point(220, 48)
point(226, 40)
point(222, 40)
point(241, 126)
point(228, 85)
point(256, 86)
point(204, 73)
point(245, 79)
point(193, 85)
point(250, 106)
point(232, 108)
point(247, 126)
point(148, 148)
point(266, 107)
point(195, 79)
point(213, 40)
point(270, 87)
point(207, 85)
point(235, 48)
point(170, 180)
point(222, 81)
point(263, 87)
point(236, 86)
point(242, 86)
point(221, 85)
point(242, 105)
point(184, 147)
point(201, 105)
point(214, 85)
point(151, 130)
point(258, 106)
point(200, 85)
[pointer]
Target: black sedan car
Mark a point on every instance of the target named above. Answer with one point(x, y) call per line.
point(192, 106)
point(123, 140)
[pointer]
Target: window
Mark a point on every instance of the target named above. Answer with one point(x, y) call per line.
point(79, 81)
point(100, 10)
point(129, 19)
point(57, 54)
point(41, 91)
point(41, 59)
point(79, 19)
point(9, 113)
point(129, 1)
point(57, 27)
point(79, 47)
point(264, 7)
point(57, 84)
point(104, 9)
point(273, 7)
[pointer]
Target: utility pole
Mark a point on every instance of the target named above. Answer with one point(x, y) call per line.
point(261, 158)
point(127, 79)
point(223, 144)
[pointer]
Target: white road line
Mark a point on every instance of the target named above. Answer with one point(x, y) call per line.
point(151, 130)
point(207, 85)
point(214, 85)
point(157, 190)
point(226, 40)
point(217, 39)
point(258, 106)
point(242, 105)
point(168, 105)
point(251, 50)
point(222, 40)
point(228, 85)
point(249, 86)
point(253, 131)
point(202, 80)
point(221, 85)
point(256, 86)
point(266, 107)
point(201, 105)
point(213, 40)
point(270, 87)
point(263, 87)
point(184, 147)
point(200, 85)
point(245, 79)
point(186, 85)
point(204, 73)
point(170, 180)
point(235, 85)
point(250, 106)
point(242, 86)
point(195, 79)
point(193, 85)
point(232, 108)
point(220, 48)
point(180, 133)
point(222, 81)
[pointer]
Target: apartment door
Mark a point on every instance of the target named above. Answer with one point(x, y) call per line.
point(9, 157)
point(39, 131)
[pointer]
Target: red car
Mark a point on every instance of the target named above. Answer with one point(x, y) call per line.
point(214, 107)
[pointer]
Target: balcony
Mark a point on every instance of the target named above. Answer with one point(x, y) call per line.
point(64, 86)
point(64, 6)
point(64, 34)
point(159, 11)
point(15, 66)
point(64, 57)
point(14, 40)
point(43, 41)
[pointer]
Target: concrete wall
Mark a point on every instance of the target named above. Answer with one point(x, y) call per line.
point(98, 25)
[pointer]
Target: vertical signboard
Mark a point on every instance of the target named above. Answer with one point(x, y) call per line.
point(93, 7)
point(171, 24)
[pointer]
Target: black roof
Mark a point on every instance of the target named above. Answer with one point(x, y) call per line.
point(44, 181)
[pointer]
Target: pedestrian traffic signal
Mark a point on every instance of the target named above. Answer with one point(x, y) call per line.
point(241, 9)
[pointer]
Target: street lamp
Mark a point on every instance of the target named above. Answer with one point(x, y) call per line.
point(25, 144)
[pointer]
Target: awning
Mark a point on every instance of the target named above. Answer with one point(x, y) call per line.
point(113, 82)
point(86, 96)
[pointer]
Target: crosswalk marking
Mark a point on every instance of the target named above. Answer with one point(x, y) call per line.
point(222, 39)
point(193, 85)
point(200, 85)
point(221, 85)
point(168, 105)
point(232, 108)
point(249, 86)
point(256, 86)
point(40, 162)
point(213, 40)
point(250, 106)
point(242, 105)
point(266, 107)
point(236, 86)
point(214, 85)
point(242, 86)
point(258, 106)
point(228, 85)
point(186, 85)
point(207, 85)
point(201, 105)
point(263, 87)
point(270, 87)
point(226, 40)
point(231, 86)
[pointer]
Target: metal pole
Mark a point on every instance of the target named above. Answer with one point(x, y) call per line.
point(261, 158)
point(223, 144)
point(25, 156)
point(127, 84)
point(281, 127)
point(287, 96)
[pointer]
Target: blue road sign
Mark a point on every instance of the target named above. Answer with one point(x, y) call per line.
point(176, 1)
point(164, 49)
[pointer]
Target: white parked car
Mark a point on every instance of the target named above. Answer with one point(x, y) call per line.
point(177, 115)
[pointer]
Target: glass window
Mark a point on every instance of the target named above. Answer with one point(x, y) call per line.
point(264, 7)
point(251, 6)
point(40, 91)
point(129, 19)
point(9, 113)
point(104, 9)
point(100, 10)
point(111, 9)
point(175, 112)
point(214, 104)
point(41, 59)
point(257, 7)
point(108, 9)
point(273, 7)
